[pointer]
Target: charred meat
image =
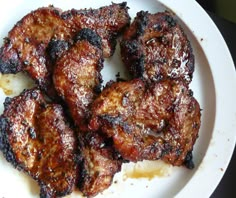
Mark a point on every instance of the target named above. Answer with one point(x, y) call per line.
point(108, 22)
point(77, 80)
point(157, 121)
point(25, 48)
point(155, 47)
point(35, 138)
point(99, 163)
point(77, 77)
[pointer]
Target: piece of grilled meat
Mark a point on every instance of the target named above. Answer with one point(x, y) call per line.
point(77, 77)
point(108, 22)
point(149, 122)
point(35, 138)
point(25, 48)
point(155, 47)
point(98, 163)
point(77, 80)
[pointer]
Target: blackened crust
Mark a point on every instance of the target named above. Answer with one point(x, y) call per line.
point(136, 57)
point(149, 122)
point(141, 23)
point(99, 162)
point(26, 46)
point(161, 45)
point(8, 66)
point(36, 138)
point(55, 49)
point(188, 162)
point(4, 143)
point(91, 36)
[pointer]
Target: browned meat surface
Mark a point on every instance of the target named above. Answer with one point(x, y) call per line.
point(35, 138)
point(99, 163)
point(25, 47)
point(77, 75)
point(77, 80)
point(155, 47)
point(108, 22)
point(154, 121)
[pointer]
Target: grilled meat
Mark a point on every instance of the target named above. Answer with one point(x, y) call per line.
point(99, 163)
point(149, 122)
point(77, 80)
point(108, 22)
point(35, 138)
point(155, 47)
point(25, 48)
point(77, 77)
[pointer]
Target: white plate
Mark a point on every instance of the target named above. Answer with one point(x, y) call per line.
point(214, 85)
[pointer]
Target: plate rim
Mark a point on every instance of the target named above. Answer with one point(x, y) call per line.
point(215, 170)
point(207, 177)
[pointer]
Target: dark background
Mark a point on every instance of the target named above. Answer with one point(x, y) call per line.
point(223, 8)
point(226, 22)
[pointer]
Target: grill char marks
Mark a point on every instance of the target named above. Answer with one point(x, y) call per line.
point(155, 47)
point(99, 163)
point(36, 139)
point(77, 76)
point(108, 22)
point(157, 121)
point(154, 116)
point(77, 80)
point(55, 49)
point(92, 37)
point(25, 48)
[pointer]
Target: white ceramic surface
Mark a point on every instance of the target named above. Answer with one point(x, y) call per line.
point(214, 86)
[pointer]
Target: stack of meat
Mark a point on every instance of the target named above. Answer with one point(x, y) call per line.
point(68, 132)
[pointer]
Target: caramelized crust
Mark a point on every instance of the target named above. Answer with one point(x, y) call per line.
point(108, 22)
point(155, 47)
point(99, 163)
point(35, 138)
point(154, 116)
point(26, 45)
point(161, 120)
point(77, 75)
point(24, 48)
point(77, 80)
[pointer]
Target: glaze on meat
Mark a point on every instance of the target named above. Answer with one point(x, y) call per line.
point(155, 47)
point(108, 22)
point(25, 48)
point(77, 77)
point(157, 121)
point(99, 163)
point(35, 138)
point(154, 116)
point(77, 80)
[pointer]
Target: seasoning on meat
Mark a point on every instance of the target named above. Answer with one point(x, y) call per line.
point(36, 138)
point(149, 122)
point(25, 48)
point(155, 47)
point(77, 76)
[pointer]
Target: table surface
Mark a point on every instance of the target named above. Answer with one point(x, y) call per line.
point(227, 186)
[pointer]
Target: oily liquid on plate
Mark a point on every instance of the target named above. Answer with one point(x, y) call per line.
point(14, 84)
point(147, 170)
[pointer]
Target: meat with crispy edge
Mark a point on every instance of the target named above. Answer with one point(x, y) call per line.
point(77, 78)
point(98, 163)
point(155, 47)
point(149, 122)
point(25, 48)
point(35, 138)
